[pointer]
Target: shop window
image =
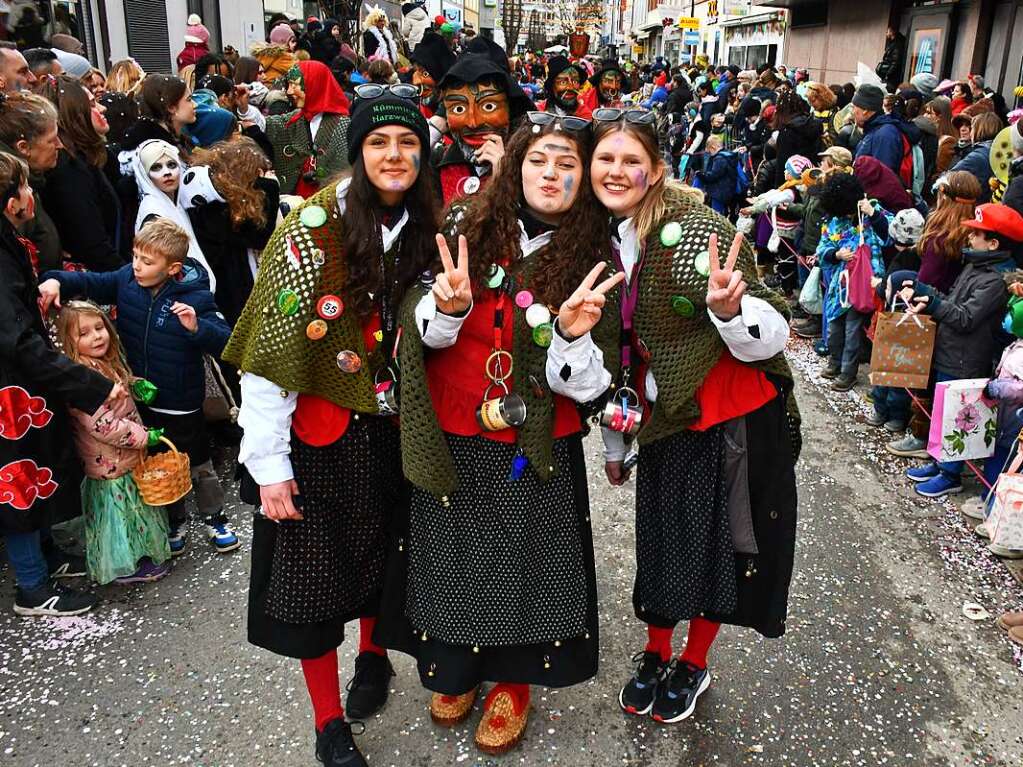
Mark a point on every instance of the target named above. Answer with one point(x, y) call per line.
point(32, 24)
point(812, 14)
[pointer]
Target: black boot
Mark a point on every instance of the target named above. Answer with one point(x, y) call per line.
point(367, 692)
point(335, 746)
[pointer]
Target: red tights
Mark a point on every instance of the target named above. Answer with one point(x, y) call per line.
point(322, 681)
point(702, 633)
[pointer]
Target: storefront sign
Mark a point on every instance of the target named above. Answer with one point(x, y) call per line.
point(689, 22)
point(690, 37)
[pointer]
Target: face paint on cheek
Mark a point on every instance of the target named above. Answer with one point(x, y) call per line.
point(415, 162)
point(639, 179)
point(568, 184)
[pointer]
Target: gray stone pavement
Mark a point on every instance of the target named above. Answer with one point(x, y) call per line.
point(879, 667)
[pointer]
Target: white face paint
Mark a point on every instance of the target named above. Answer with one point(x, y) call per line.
point(166, 174)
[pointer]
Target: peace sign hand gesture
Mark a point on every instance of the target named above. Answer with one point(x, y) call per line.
point(452, 290)
point(725, 286)
point(582, 310)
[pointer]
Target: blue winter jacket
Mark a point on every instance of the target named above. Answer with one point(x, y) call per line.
point(155, 342)
point(978, 162)
point(882, 140)
point(719, 176)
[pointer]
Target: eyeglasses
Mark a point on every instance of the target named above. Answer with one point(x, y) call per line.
point(634, 116)
point(375, 91)
point(566, 122)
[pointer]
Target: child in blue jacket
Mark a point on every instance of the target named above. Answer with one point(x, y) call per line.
point(167, 319)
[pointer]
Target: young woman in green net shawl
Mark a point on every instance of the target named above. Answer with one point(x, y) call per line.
point(702, 356)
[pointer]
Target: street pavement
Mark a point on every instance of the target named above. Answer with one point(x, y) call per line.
point(879, 666)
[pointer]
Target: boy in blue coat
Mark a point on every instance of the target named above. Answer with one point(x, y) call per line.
point(167, 319)
point(719, 177)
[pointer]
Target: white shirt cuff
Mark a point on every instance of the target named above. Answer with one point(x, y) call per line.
point(772, 327)
point(437, 329)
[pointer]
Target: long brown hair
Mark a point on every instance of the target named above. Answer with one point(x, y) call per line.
point(956, 203)
point(234, 167)
point(661, 193)
point(74, 119)
point(360, 238)
point(491, 224)
point(941, 108)
point(113, 364)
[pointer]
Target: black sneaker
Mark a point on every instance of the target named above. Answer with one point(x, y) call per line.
point(637, 696)
point(367, 692)
point(335, 746)
point(64, 565)
point(843, 382)
point(51, 599)
point(831, 371)
point(676, 697)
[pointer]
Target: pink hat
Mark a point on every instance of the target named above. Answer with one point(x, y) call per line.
point(195, 32)
point(945, 85)
point(282, 34)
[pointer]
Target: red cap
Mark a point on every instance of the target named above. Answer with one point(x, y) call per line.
point(1000, 219)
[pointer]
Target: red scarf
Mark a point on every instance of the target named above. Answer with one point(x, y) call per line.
point(322, 93)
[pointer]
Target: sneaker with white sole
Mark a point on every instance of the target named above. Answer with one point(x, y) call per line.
point(1003, 553)
point(52, 600)
point(909, 447)
point(973, 508)
point(940, 486)
point(982, 531)
point(64, 565)
point(923, 473)
point(677, 695)
point(177, 538)
point(637, 696)
point(222, 536)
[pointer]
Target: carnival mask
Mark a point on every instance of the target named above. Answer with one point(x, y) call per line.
point(610, 87)
point(425, 81)
point(566, 89)
point(475, 111)
point(165, 174)
point(296, 85)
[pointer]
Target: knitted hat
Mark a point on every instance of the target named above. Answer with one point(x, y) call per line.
point(796, 164)
point(869, 97)
point(907, 227)
point(370, 114)
point(925, 83)
point(282, 34)
point(195, 32)
point(1016, 137)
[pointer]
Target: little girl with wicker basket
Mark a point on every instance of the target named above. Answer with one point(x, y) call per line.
point(126, 539)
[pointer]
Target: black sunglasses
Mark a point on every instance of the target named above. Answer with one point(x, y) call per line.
point(375, 91)
point(567, 122)
point(634, 116)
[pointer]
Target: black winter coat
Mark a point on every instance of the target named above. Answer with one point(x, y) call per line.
point(40, 472)
point(803, 135)
point(889, 68)
point(1013, 196)
point(227, 249)
point(87, 213)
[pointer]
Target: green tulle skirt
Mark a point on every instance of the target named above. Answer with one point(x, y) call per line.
point(120, 528)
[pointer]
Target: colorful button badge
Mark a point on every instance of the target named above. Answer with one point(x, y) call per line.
point(537, 315)
point(287, 302)
point(702, 263)
point(671, 234)
point(682, 306)
point(316, 330)
point(330, 307)
point(349, 362)
point(523, 299)
point(313, 216)
point(543, 335)
point(496, 277)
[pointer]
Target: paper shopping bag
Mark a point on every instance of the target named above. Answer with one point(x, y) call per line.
point(1005, 523)
point(903, 347)
point(963, 421)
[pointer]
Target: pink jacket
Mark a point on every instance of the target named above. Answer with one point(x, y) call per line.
point(109, 446)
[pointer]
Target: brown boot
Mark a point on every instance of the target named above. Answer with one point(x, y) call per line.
point(505, 715)
point(449, 710)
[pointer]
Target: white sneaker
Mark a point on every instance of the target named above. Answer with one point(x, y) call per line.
point(973, 508)
point(982, 531)
point(1004, 553)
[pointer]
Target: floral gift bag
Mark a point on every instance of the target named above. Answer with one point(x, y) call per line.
point(963, 421)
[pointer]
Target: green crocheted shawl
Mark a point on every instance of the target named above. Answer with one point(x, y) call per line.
point(425, 455)
point(293, 146)
point(684, 349)
point(274, 345)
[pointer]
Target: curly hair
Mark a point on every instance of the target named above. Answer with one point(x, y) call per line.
point(944, 231)
point(491, 224)
point(234, 167)
point(790, 105)
point(820, 96)
point(840, 193)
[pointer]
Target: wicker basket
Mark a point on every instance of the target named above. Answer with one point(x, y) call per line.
point(164, 477)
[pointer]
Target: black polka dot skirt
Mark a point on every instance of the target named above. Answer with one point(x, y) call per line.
point(499, 585)
point(685, 561)
point(310, 576)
